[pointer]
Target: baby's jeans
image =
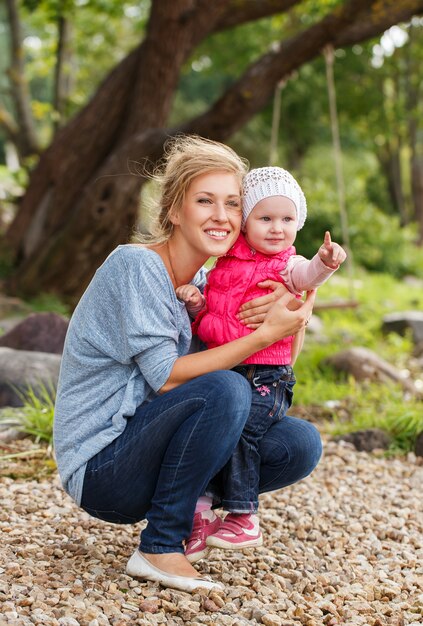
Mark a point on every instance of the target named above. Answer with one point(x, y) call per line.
point(272, 392)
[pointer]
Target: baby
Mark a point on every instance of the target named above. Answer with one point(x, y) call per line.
point(274, 209)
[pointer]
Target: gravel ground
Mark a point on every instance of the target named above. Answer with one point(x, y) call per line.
point(345, 546)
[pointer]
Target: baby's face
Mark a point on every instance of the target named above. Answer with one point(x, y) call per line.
point(271, 226)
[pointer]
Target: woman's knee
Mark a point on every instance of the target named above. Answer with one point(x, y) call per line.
point(290, 451)
point(309, 447)
point(229, 391)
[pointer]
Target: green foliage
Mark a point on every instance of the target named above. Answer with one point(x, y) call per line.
point(383, 407)
point(35, 417)
point(378, 242)
point(346, 404)
point(103, 31)
point(50, 303)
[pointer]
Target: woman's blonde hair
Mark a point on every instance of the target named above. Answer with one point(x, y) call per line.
point(185, 158)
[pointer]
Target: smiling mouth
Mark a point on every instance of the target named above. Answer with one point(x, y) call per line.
point(220, 234)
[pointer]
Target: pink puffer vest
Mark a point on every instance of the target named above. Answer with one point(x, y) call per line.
point(232, 282)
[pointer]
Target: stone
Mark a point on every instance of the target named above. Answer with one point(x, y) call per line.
point(405, 320)
point(367, 440)
point(10, 306)
point(20, 369)
point(39, 332)
point(364, 364)
point(418, 448)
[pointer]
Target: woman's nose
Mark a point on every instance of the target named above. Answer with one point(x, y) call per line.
point(219, 213)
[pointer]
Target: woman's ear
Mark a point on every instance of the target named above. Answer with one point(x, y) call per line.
point(174, 216)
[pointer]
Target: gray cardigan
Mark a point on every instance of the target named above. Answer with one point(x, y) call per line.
point(123, 339)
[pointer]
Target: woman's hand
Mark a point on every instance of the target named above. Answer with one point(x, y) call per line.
point(282, 321)
point(252, 313)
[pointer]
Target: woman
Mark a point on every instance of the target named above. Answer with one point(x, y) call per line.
point(141, 424)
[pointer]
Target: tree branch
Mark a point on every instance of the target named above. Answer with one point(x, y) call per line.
point(388, 13)
point(254, 89)
point(239, 12)
point(174, 30)
point(26, 139)
point(9, 125)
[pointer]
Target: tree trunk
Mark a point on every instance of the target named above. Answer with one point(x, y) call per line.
point(69, 222)
point(62, 71)
point(390, 162)
point(25, 138)
point(417, 188)
point(415, 131)
point(82, 201)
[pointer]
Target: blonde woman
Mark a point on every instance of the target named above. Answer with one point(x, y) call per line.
point(141, 424)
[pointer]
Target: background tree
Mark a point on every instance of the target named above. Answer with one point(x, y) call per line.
point(81, 201)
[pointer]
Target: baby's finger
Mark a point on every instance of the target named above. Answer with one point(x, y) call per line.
point(327, 242)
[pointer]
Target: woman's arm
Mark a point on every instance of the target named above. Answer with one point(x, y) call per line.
point(279, 322)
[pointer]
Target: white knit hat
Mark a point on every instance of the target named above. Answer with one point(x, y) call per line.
point(265, 182)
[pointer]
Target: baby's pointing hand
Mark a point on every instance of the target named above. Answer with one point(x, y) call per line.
point(331, 253)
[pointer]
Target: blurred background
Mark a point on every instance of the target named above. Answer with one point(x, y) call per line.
point(328, 89)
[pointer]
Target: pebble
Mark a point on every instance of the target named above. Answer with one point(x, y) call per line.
point(342, 547)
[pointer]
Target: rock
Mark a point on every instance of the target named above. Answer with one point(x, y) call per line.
point(360, 564)
point(315, 326)
point(209, 605)
point(7, 323)
point(418, 448)
point(149, 606)
point(365, 364)
point(401, 322)
point(9, 426)
point(12, 306)
point(367, 440)
point(39, 332)
point(270, 619)
point(20, 369)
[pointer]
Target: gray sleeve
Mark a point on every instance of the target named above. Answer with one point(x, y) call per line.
point(152, 331)
point(130, 314)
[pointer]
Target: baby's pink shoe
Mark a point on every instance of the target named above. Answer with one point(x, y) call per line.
point(205, 523)
point(237, 531)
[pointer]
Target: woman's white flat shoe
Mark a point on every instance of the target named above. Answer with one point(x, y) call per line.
point(139, 567)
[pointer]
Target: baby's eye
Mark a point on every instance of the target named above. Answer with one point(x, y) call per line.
point(265, 218)
point(288, 219)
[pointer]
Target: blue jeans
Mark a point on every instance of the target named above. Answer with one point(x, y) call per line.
point(162, 462)
point(272, 393)
point(174, 445)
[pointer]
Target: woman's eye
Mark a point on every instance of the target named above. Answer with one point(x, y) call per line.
point(234, 205)
point(204, 200)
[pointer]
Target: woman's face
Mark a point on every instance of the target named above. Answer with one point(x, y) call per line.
point(209, 219)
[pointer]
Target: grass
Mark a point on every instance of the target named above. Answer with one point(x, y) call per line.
point(346, 404)
point(35, 417)
point(47, 302)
